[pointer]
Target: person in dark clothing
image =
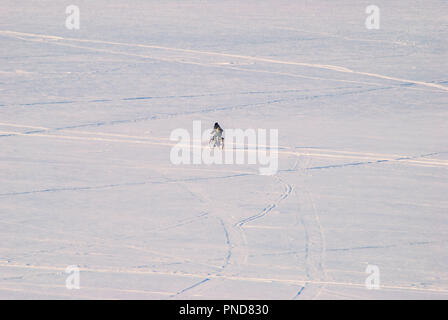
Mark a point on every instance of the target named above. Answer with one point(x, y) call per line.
point(217, 140)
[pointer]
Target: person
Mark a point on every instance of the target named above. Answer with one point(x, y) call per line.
point(217, 138)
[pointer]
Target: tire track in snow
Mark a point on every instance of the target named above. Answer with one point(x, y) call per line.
point(229, 245)
point(334, 68)
point(108, 186)
point(315, 244)
point(322, 250)
point(335, 154)
point(182, 222)
point(133, 271)
point(343, 153)
point(411, 158)
point(204, 198)
point(332, 35)
point(212, 207)
point(189, 288)
point(235, 238)
point(316, 151)
point(286, 193)
point(144, 98)
point(239, 226)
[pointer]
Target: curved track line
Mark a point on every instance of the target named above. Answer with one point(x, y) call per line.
point(286, 193)
point(315, 244)
point(229, 55)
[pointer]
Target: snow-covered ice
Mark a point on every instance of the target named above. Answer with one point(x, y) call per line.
point(85, 171)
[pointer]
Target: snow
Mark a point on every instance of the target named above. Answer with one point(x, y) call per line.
point(85, 171)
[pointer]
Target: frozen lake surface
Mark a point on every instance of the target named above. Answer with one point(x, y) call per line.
point(85, 171)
